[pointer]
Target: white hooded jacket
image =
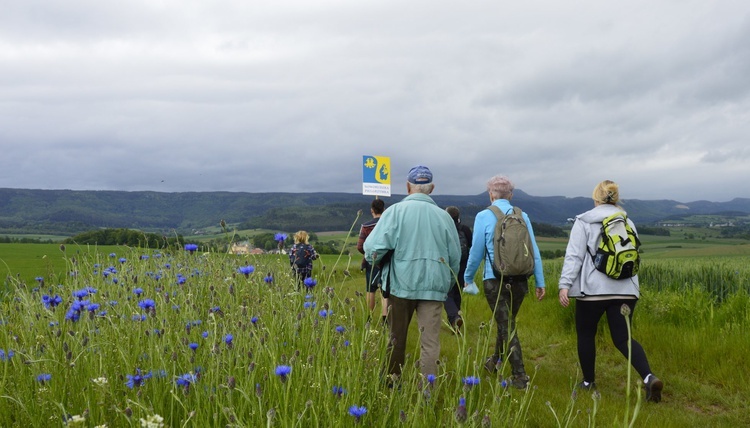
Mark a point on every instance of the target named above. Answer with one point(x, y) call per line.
point(578, 273)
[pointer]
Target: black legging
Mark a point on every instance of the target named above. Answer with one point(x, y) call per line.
point(588, 314)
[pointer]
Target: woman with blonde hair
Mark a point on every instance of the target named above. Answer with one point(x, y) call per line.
point(597, 294)
point(302, 255)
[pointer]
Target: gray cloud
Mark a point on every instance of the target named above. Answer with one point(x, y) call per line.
point(251, 96)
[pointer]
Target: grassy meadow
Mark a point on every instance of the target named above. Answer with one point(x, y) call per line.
point(131, 337)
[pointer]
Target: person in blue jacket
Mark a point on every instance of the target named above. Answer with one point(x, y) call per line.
point(504, 299)
point(426, 254)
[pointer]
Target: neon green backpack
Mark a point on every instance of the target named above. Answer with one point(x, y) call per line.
point(617, 253)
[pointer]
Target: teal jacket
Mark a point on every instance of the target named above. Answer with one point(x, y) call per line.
point(427, 251)
point(482, 248)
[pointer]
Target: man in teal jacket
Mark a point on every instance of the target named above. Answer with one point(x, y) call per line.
point(426, 255)
point(504, 299)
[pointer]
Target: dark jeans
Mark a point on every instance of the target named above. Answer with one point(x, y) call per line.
point(505, 302)
point(452, 303)
point(588, 314)
point(369, 272)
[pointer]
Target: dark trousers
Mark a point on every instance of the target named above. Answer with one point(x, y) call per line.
point(452, 303)
point(505, 301)
point(588, 314)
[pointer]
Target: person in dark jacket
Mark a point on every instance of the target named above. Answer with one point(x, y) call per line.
point(376, 209)
point(301, 256)
point(452, 303)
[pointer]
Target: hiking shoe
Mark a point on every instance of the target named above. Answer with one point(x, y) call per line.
point(491, 364)
point(653, 389)
point(519, 381)
point(590, 387)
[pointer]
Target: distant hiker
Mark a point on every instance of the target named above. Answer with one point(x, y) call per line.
point(597, 294)
point(376, 209)
point(425, 251)
point(301, 256)
point(505, 291)
point(452, 302)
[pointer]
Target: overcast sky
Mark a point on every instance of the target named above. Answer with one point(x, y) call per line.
point(288, 95)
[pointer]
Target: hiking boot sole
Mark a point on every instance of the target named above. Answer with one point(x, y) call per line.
point(653, 391)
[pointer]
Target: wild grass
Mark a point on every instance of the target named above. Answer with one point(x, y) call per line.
point(208, 353)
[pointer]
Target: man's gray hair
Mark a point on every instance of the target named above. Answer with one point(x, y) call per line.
point(421, 188)
point(500, 187)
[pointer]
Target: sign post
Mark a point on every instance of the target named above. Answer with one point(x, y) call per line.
point(376, 175)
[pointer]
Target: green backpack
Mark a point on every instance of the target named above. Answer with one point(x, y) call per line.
point(617, 253)
point(514, 253)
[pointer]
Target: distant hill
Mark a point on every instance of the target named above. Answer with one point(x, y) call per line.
point(69, 212)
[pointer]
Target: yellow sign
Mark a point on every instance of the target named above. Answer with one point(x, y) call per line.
point(376, 175)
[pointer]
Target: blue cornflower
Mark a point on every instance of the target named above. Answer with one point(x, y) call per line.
point(504, 383)
point(254, 320)
point(282, 372)
point(471, 381)
point(338, 391)
point(147, 304)
point(357, 412)
point(268, 279)
point(460, 413)
point(138, 291)
point(340, 329)
point(431, 379)
point(112, 255)
point(309, 296)
point(228, 339)
point(310, 282)
point(139, 317)
point(80, 294)
point(193, 346)
point(246, 270)
point(44, 377)
point(346, 343)
point(191, 247)
point(80, 305)
point(144, 257)
point(204, 334)
point(72, 315)
point(185, 380)
point(50, 301)
point(113, 303)
point(279, 237)
point(137, 379)
point(215, 309)
point(309, 305)
point(92, 307)
point(122, 260)
point(53, 323)
point(181, 279)
point(102, 314)
point(6, 356)
point(39, 279)
point(324, 313)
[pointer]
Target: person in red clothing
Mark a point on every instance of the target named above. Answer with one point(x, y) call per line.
point(376, 209)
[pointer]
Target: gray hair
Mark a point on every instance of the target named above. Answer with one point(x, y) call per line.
point(421, 188)
point(500, 187)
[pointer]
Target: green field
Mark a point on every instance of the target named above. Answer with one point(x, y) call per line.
point(692, 320)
